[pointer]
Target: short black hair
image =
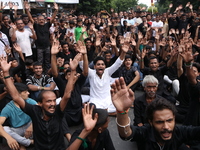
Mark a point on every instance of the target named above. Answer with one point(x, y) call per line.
point(24, 15)
point(153, 57)
point(37, 64)
point(41, 95)
point(159, 104)
point(21, 87)
point(97, 59)
point(64, 43)
point(197, 65)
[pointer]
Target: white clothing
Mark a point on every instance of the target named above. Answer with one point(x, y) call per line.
point(71, 31)
point(156, 24)
point(100, 87)
point(23, 39)
point(4, 41)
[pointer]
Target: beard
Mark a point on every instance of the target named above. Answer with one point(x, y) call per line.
point(158, 135)
point(151, 94)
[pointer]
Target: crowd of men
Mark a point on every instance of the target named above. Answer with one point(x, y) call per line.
point(67, 69)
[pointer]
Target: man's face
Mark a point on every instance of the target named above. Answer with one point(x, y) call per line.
point(150, 89)
point(163, 122)
point(100, 67)
point(108, 57)
point(153, 64)
point(48, 103)
point(41, 20)
point(88, 44)
point(128, 62)
point(20, 25)
point(6, 20)
point(38, 70)
point(65, 48)
point(24, 95)
point(25, 20)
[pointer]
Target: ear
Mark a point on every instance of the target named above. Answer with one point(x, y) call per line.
point(40, 104)
point(99, 129)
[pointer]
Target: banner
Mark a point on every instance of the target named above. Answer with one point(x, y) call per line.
point(58, 1)
point(15, 2)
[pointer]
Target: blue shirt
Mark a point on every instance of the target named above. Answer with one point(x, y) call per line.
point(15, 115)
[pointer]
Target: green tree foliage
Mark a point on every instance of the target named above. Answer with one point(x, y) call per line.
point(155, 9)
point(90, 7)
point(93, 6)
point(123, 5)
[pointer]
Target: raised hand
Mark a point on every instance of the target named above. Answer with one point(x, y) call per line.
point(125, 47)
point(30, 25)
point(188, 4)
point(113, 41)
point(122, 97)
point(74, 63)
point(188, 56)
point(10, 4)
point(89, 122)
point(81, 47)
point(191, 6)
point(55, 6)
point(4, 65)
point(170, 5)
point(2, 6)
point(55, 47)
point(26, 5)
point(17, 47)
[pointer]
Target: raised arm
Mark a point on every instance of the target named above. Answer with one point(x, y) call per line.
point(71, 81)
point(27, 7)
point(9, 83)
point(122, 98)
point(55, 13)
point(54, 51)
point(83, 51)
point(89, 124)
point(188, 58)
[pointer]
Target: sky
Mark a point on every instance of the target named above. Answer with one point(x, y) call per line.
point(147, 2)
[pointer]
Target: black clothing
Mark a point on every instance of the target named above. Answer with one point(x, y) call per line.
point(128, 76)
point(62, 32)
point(140, 105)
point(159, 74)
point(91, 54)
point(193, 116)
point(43, 35)
point(48, 135)
point(73, 110)
point(145, 137)
point(103, 141)
point(173, 24)
point(143, 29)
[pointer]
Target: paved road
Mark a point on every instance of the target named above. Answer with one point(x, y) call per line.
point(118, 143)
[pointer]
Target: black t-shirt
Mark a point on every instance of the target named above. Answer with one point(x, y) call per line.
point(47, 135)
point(173, 24)
point(90, 54)
point(43, 35)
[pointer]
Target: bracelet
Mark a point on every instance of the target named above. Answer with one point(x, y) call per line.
point(123, 112)
point(38, 88)
point(188, 64)
point(6, 77)
point(141, 59)
point(84, 144)
point(42, 88)
point(1, 11)
point(125, 131)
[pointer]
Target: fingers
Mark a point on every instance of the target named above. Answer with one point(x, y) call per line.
point(122, 83)
point(14, 146)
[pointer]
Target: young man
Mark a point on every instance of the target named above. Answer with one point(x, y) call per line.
point(20, 123)
point(46, 116)
point(99, 80)
point(39, 81)
point(161, 133)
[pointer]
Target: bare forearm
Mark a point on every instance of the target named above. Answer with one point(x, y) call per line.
point(85, 65)
point(54, 66)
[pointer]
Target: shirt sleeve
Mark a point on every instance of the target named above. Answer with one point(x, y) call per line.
point(115, 66)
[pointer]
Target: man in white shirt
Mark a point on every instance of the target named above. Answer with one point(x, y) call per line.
point(157, 24)
point(99, 80)
point(22, 37)
point(3, 43)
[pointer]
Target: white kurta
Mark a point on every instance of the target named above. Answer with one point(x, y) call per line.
point(100, 87)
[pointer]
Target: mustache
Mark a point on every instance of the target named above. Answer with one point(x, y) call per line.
point(52, 106)
point(166, 131)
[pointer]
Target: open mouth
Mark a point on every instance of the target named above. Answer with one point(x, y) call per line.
point(166, 134)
